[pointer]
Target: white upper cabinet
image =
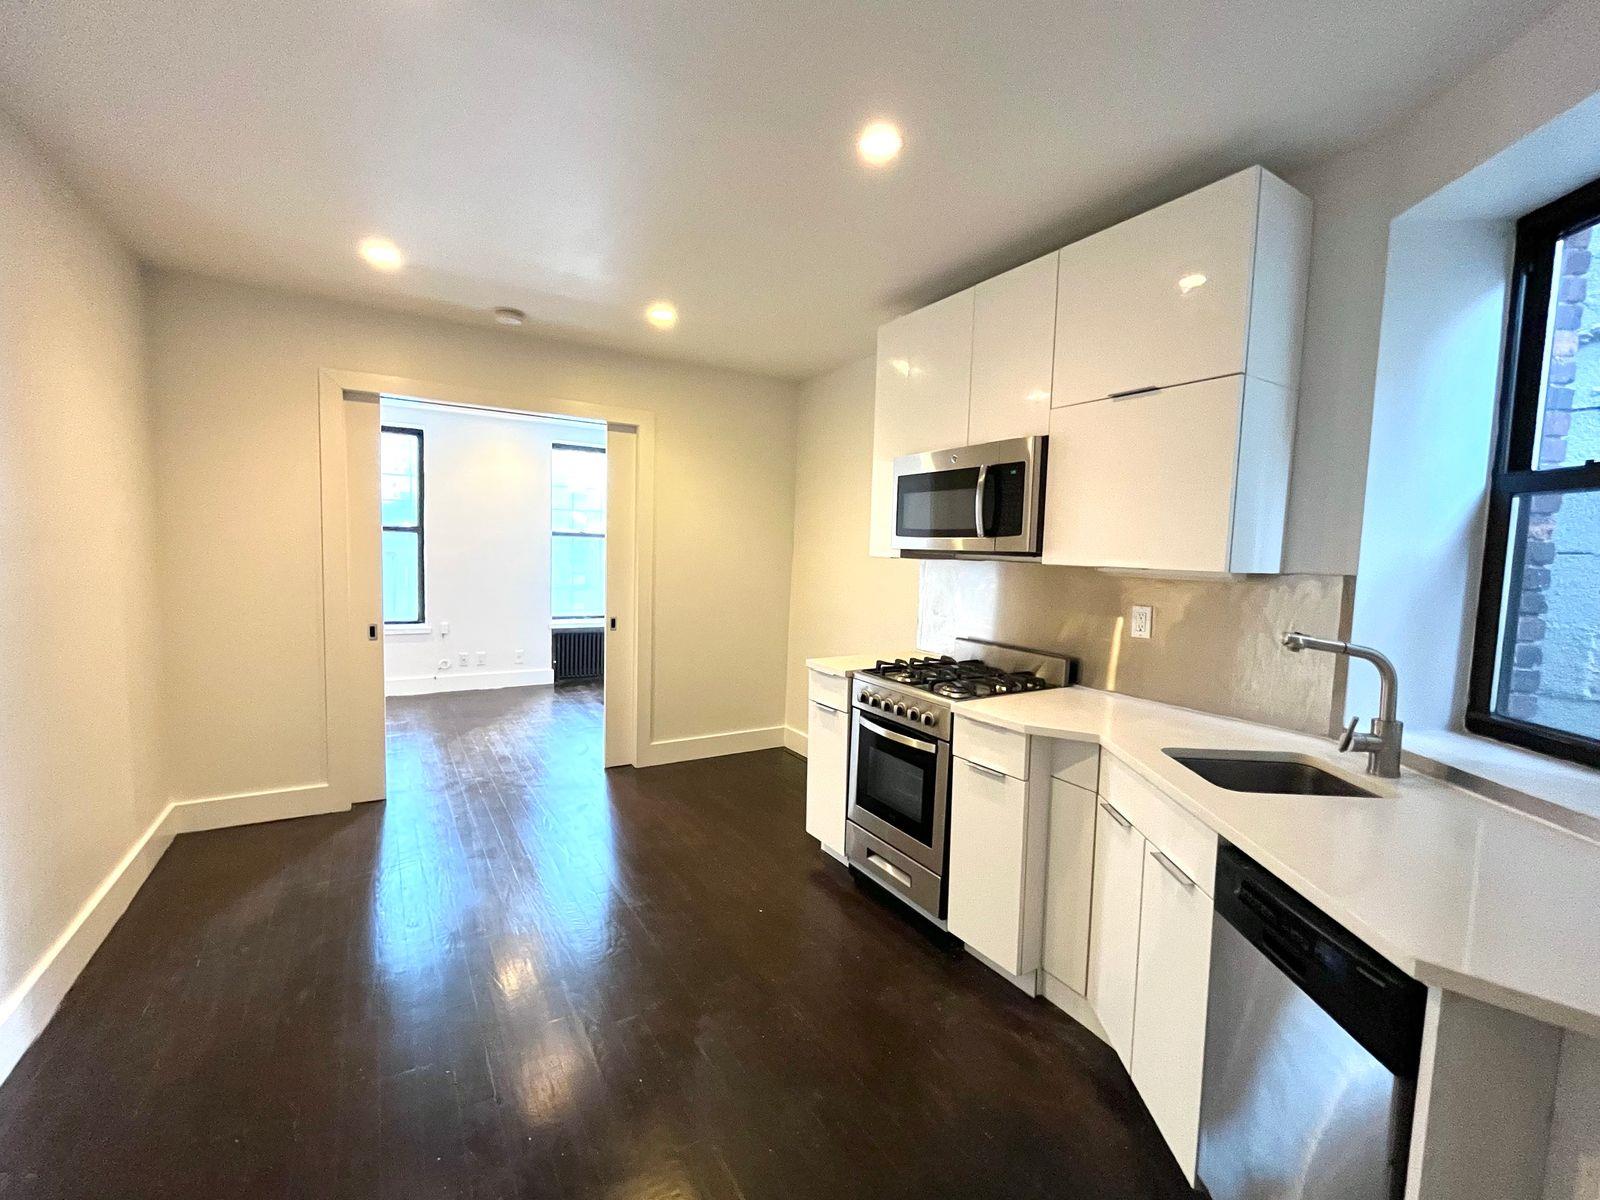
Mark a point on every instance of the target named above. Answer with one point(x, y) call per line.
point(1013, 345)
point(924, 382)
point(1191, 478)
point(1211, 284)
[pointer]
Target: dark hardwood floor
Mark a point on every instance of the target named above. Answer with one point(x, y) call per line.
point(522, 976)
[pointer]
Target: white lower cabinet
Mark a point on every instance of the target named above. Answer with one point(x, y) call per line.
point(1069, 883)
point(1169, 1020)
point(988, 863)
point(827, 774)
point(1119, 864)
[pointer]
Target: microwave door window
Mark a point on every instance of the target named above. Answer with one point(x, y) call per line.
point(938, 504)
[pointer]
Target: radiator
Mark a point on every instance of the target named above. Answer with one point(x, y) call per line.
point(578, 653)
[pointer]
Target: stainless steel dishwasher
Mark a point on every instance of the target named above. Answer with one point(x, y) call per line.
point(1312, 1041)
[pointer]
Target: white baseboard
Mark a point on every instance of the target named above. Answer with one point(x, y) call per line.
point(467, 681)
point(794, 739)
point(27, 1009)
point(712, 745)
point(1029, 983)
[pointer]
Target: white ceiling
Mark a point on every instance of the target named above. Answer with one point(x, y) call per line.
point(580, 159)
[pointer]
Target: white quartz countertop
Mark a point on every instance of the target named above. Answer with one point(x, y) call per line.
point(1457, 890)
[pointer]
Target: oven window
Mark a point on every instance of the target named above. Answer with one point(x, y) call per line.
point(895, 782)
point(937, 504)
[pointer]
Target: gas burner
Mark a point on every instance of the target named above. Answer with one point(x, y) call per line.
point(964, 679)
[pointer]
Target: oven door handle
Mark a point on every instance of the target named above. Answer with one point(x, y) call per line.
point(983, 479)
point(914, 743)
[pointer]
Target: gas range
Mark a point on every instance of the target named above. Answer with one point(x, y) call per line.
point(898, 811)
point(920, 691)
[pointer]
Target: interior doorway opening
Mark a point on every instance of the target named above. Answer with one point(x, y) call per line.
point(491, 559)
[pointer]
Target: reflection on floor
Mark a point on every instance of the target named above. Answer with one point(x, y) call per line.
point(526, 977)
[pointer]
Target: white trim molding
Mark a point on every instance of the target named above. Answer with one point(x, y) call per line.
point(467, 681)
point(27, 1009)
point(795, 740)
point(712, 745)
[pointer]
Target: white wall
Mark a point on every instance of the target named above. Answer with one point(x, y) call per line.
point(486, 546)
point(235, 388)
point(79, 739)
point(842, 601)
point(1531, 81)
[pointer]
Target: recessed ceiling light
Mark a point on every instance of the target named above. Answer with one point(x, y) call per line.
point(510, 316)
point(662, 314)
point(381, 254)
point(1189, 282)
point(879, 143)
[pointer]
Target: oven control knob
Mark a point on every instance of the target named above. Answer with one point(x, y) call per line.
point(929, 718)
point(873, 699)
point(913, 713)
point(899, 709)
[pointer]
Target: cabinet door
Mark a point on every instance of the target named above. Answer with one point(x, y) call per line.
point(1013, 352)
point(1161, 299)
point(988, 859)
point(827, 774)
point(1146, 481)
point(1068, 881)
point(1114, 926)
point(1169, 1028)
point(923, 390)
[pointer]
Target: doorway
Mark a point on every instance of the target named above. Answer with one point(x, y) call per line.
point(497, 549)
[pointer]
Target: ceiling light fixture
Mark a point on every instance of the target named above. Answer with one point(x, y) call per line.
point(662, 314)
point(880, 143)
point(510, 316)
point(1189, 282)
point(381, 254)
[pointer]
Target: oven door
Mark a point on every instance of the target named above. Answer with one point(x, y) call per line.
point(900, 788)
point(983, 499)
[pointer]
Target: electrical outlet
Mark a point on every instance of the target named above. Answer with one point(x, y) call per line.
point(483, 657)
point(444, 628)
point(465, 659)
point(518, 657)
point(1141, 620)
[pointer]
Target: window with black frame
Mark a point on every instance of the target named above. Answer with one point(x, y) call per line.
point(577, 532)
point(400, 476)
point(1536, 662)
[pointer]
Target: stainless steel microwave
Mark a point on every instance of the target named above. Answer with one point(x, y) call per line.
point(979, 500)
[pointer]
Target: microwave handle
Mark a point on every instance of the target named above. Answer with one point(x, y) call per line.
point(983, 481)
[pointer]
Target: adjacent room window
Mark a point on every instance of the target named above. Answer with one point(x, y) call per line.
point(400, 472)
point(1536, 663)
point(577, 532)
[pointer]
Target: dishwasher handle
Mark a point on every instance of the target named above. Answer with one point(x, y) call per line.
point(1373, 1000)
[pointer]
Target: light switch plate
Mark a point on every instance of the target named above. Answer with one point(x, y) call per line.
point(1140, 621)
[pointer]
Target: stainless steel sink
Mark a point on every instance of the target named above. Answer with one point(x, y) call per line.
point(1276, 775)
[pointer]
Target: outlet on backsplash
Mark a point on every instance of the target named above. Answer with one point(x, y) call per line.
point(1141, 618)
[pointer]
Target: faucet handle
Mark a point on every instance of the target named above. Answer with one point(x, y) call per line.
point(1349, 735)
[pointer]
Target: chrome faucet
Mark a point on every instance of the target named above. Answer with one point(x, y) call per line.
point(1382, 740)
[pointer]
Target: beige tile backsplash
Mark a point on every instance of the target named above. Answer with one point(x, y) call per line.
point(1214, 645)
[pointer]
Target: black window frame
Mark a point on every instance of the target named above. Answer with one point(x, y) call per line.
point(1514, 473)
point(418, 529)
point(600, 616)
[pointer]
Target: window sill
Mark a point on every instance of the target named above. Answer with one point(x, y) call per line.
point(1562, 793)
point(578, 623)
point(407, 631)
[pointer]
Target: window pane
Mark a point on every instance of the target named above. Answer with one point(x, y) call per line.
point(577, 491)
point(401, 600)
point(1569, 408)
point(399, 470)
point(577, 576)
point(1549, 669)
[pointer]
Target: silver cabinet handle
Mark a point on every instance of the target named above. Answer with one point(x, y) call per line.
point(825, 707)
point(989, 771)
point(1116, 816)
point(1172, 868)
point(912, 742)
point(1138, 391)
point(888, 868)
point(983, 478)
